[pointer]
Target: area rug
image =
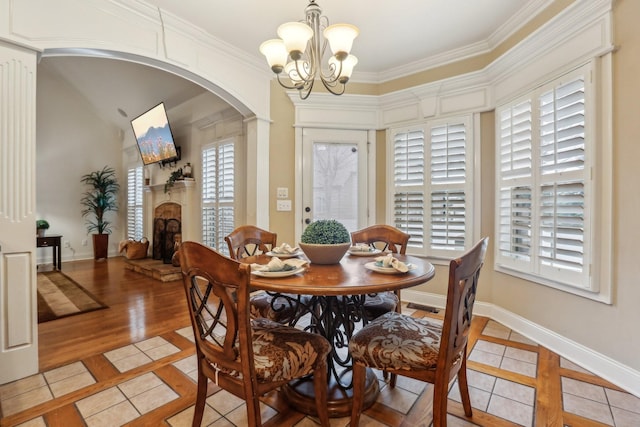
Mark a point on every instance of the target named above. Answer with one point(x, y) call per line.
point(60, 296)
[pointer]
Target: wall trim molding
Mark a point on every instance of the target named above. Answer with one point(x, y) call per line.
point(605, 367)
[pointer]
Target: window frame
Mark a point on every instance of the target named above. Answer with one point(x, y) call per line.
point(592, 283)
point(471, 186)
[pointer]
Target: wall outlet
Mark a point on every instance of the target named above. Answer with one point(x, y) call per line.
point(283, 205)
point(67, 244)
point(84, 242)
point(282, 192)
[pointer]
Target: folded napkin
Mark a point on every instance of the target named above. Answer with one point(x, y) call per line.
point(388, 261)
point(284, 249)
point(276, 264)
point(360, 247)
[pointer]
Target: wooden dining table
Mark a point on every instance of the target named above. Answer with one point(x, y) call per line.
point(331, 299)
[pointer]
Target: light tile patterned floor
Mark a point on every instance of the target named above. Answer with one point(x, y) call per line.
point(138, 394)
point(36, 389)
point(139, 354)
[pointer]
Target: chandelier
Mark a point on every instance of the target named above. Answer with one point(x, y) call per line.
point(299, 52)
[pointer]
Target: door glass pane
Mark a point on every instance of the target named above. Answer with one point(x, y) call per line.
point(335, 183)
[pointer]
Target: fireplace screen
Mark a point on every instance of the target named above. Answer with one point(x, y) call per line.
point(167, 231)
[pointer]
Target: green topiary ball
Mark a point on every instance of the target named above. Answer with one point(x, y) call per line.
point(325, 232)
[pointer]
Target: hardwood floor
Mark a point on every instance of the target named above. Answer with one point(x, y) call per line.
point(139, 308)
point(514, 381)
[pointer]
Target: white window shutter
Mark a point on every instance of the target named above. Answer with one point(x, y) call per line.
point(432, 172)
point(408, 181)
point(134, 203)
point(409, 215)
point(218, 185)
point(448, 198)
point(515, 209)
point(561, 231)
point(542, 206)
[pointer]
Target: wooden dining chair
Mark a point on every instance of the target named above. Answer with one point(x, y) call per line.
point(246, 357)
point(421, 348)
point(385, 238)
point(249, 240)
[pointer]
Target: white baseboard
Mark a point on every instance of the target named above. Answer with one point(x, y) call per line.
point(601, 365)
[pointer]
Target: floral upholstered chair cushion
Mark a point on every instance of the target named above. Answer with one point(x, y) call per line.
point(282, 308)
point(284, 353)
point(279, 352)
point(397, 341)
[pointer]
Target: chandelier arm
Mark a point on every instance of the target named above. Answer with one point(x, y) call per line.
point(304, 94)
point(333, 77)
point(329, 86)
point(283, 84)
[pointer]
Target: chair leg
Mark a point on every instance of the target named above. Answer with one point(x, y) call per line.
point(201, 397)
point(320, 390)
point(253, 411)
point(392, 380)
point(440, 399)
point(394, 377)
point(464, 387)
point(359, 374)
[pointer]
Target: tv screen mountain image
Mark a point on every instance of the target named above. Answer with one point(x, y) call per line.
point(153, 135)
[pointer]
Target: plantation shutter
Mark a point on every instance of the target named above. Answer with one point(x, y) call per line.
point(515, 210)
point(226, 188)
point(134, 203)
point(543, 185)
point(448, 173)
point(562, 183)
point(408, 179)
point(218, 175)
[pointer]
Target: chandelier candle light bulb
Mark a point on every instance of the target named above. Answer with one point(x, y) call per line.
point(304, 43)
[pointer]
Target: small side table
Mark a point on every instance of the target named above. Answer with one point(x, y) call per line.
point(54, 242)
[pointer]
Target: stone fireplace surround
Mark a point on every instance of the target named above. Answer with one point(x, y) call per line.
point(179, 203)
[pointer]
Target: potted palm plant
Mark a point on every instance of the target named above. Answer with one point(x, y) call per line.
point(325, 241)
point(100, 198)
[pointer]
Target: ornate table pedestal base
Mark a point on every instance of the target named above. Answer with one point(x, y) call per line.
point(300, 395)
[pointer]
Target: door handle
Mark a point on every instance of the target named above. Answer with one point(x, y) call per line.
point(307, 221)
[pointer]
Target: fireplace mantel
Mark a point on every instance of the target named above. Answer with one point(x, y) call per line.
point(177, 186)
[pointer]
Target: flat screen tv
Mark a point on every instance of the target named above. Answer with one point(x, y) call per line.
point(153, 136)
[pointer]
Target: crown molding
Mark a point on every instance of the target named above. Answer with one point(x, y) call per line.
point(580, 32)
point(500, 35)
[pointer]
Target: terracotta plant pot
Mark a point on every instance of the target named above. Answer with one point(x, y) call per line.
point(324, 254)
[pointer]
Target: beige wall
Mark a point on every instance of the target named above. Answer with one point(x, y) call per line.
point(606, 329)
point(71, 141)
point(282, 161)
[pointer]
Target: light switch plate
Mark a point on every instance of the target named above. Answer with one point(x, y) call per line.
point(282, 192)
point(283, 205)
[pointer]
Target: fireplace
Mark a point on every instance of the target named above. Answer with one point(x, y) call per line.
point(172, 217)
point(167, 231)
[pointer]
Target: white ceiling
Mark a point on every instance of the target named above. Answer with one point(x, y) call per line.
point(404, 37)
point(392, 33)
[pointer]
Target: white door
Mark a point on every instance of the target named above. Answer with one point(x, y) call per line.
point(334, 175)
point(18, 309)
